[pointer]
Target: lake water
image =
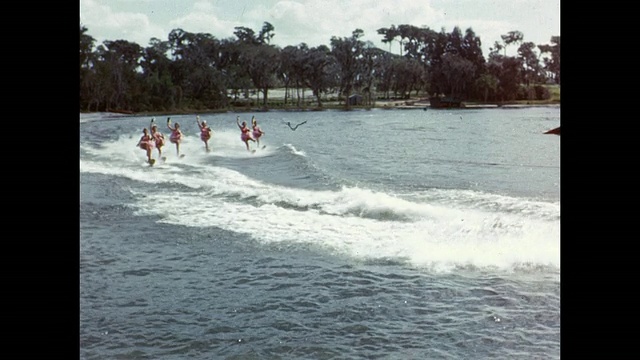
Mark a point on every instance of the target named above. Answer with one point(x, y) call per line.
point(390, 234)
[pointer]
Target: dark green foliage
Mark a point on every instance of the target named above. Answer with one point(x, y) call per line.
point(542, 93)
point(196, 71)
point(537, 92)
point(525, 93)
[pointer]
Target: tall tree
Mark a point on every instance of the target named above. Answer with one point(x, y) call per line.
point(368, 63)
point(87, 77)
point(235, 77)
point(495, 50)
point(197, 68)
point(438, 82)
point(471, 49)
point(122, 59)
point(407, 74)
point(384, 73)
point(552, 64)
point(411, 37)
point(317, 75)
point(292, 68)
point(261, 63)
point(458, 72)
point(86, 48)
point(389, 36)
point(487, 85)
point(287, 58)
point(266, 33)
point(246, 35)
point(156, 73)
point(346, 51)
point(512, 37)
point(507, 69)
point(530, 61)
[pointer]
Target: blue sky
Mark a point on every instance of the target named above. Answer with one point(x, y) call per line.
point(316, 21)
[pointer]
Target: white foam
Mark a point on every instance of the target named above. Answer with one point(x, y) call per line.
point(435, 228)
point(443, 238)
point(295, 151)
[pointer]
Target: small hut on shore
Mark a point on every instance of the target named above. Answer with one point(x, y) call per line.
point(355, 99)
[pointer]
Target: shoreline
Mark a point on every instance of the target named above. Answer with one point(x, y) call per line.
point(381, 105)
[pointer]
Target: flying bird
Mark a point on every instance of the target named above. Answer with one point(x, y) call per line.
point(295, 127)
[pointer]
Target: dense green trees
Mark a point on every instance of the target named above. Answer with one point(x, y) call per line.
point(196, 71)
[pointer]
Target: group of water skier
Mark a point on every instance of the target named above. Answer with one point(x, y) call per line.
point(155, 139)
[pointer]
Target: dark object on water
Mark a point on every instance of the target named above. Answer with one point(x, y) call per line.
point(554, 131)
point(444, 102)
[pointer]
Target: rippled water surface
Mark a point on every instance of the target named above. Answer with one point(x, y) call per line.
point(397, 234)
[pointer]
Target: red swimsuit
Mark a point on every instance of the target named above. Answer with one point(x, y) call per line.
point(205, 133)
point(176, 136)
point(257, 132)
point(146, 142)
point(159, 138)
point(246, 133)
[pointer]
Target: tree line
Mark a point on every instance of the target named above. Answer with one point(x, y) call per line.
point(196, 71)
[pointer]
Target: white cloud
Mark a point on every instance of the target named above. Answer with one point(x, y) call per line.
point(204, 6)
point(101, 19)
point(315, 22)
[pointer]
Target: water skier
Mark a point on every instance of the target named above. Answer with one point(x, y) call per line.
point(176, 135)
point(158, 137)
point(246, 132)
point(205, 132)
point(257, 132)
point(146, 143)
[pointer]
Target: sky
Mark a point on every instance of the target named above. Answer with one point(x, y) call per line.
point(314, 22)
